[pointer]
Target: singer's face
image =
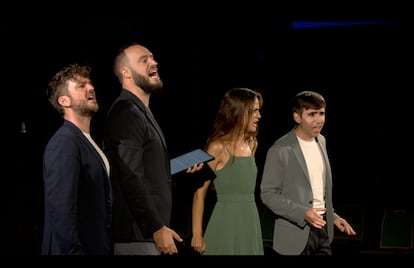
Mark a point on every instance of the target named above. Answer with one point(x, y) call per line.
point(82, 96)
point(310, 123)
point(253, 120)
point(144, 69)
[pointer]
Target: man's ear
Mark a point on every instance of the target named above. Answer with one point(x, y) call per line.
point(125, 72)
point(64, 101)
point(296, 117)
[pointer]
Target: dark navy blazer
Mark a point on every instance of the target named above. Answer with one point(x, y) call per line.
point(78, 196)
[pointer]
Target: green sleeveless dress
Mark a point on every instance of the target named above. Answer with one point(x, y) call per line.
point(234, 225)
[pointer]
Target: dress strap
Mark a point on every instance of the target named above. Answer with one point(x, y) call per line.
point(227, 148)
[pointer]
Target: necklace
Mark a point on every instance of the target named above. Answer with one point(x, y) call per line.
point(244, 147)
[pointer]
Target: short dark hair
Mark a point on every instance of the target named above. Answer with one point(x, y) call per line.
point(307, 100)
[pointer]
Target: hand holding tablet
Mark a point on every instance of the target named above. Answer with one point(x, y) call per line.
point(189, 159)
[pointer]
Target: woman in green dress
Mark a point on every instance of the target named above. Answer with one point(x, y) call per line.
point(234, 225)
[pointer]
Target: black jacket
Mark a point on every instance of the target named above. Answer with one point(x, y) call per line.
point(140, 170)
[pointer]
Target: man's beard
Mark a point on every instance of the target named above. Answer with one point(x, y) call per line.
point(144, 83)
point(86, 110)
point(83, 108)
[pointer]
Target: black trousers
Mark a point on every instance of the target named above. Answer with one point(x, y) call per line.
point(318, 242)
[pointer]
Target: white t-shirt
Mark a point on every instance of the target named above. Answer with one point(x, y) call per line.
point(101, 153)
point(316, 170)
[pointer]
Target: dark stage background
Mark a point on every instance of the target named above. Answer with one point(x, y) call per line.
point(362, 70)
